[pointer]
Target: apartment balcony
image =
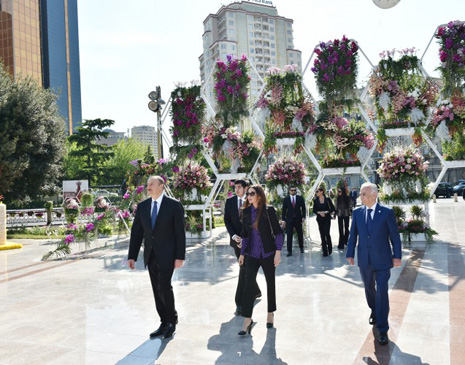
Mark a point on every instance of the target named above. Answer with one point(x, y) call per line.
point(258, 43)
point(257, 26)
point(258, 34)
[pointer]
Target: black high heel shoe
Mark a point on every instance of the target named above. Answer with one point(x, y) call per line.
point(270, 324)
point(247, 330)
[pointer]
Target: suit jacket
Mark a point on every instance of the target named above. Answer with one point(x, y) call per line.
point(375, 248)
point(268, 221)
point(232, 221)
point(167, 240)
point(327, 206)
point(353, 194)
point(290, 213)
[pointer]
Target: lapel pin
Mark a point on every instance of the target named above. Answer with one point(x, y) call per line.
point(379, 211)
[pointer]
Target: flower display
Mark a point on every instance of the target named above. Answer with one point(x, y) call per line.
point(69, 239)
point(285, 171)
point(187, 113)
point(291, 114)
point(231, 84)
point(452, 113)
point(71, 208)
point(451, 40)
point(349, 136)
point(402, 96)
point(193, 176)
point(402, 164)
point(404, 175)
point(231, 150)
point(335, 69)
point(416, 224)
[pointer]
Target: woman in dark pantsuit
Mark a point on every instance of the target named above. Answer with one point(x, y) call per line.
point(343, 212)
point(323, 207)
point(262, 241)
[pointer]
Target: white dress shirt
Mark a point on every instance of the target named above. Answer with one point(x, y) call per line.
point(372, 213)
point(159, 200)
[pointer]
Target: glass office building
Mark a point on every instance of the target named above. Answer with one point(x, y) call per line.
point(40, 38)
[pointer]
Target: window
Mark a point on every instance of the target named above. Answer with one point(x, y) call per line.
point(231, 31)
point(289, 25)
point(252, 50)
point(289, 40)
point(250, 26)
point(233, 47)
point(291, 55)
point(271, 29)
point(231, 15)
point(224, 46)
point(289, 32)
point(272, 45)
point(271, 21)
point(251, 34)
point(272, 37)
point(273, 53)
point(251, 43)
point(231, 22)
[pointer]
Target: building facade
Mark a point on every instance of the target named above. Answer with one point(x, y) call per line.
point(112, 138)
point(251, 28)
point(148, 136)
point(39, 38)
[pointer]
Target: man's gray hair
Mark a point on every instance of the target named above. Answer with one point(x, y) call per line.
point(157, 178)
point(373, 187)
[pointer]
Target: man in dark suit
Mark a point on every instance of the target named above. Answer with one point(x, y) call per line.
point(293, 216)
point(353, 196)
point(160, 220)
point(374, 226)
point(233, 223)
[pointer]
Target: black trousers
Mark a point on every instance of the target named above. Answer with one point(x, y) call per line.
point(251, 266)
point(240, 290)
point(343, 223)
point(162, 291)
point(297, 224)
point(324, 225)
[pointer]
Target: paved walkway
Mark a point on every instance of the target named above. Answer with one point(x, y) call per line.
point(94, 310)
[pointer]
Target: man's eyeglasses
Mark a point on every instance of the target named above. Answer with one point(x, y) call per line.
point(293, 190)
point(252, 193)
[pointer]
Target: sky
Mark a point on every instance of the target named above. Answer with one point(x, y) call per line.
point(128, 47)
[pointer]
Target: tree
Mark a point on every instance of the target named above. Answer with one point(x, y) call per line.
point(72, 165)
point(125, 151)
point(149, 157)
point(93, 154)
point(32, 137)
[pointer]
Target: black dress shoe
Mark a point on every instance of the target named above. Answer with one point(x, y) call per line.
point(372, 319)
point(159, 331)
point(325, 254)
point(170, 328)
point(383, 338)
point(289, 254)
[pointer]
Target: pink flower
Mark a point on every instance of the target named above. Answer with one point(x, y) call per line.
point(140, 189)
point(126, 196)
point(69, 239)
point(89, 227)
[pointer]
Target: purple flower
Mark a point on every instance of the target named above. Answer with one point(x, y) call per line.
point(126, 196)
point(69, 239)
point(101, 216)
point(175, 169)
point(140, 189)
point(89, 227)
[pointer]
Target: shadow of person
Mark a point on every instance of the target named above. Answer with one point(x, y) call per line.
point(239, 349)
point(146, 353)
point(384, 354)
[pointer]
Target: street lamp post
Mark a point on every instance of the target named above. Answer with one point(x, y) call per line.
point(155, 105)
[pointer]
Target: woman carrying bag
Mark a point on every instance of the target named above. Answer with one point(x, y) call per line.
point(262, 241)
point(323, 207)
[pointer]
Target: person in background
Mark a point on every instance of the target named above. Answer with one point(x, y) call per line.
point(233, 222)
point(343, 213)
point(353, 196)
point(323, 208)
point(293, 216)
point(262, 241)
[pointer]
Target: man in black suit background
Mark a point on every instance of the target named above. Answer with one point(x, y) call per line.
point(353, 196)
point(233, 223)
point(293, 216)
point(160, 220)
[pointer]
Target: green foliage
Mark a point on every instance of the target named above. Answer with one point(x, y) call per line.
point(455, 148)
point(48, 205)
point(93, 154)
point(32, 136)
point(148, 156)
point(87, 199)
point(117, 165)
point(399, 213)
point(416, 211)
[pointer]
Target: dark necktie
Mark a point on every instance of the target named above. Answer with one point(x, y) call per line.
point(154, 213)
point(240, 205)
point(293, 202)
point(369, 221)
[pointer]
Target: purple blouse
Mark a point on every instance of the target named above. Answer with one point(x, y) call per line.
point(256, 245)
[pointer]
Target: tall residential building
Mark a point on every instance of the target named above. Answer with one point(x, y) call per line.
point(112, 138)
point(39, 38)
point(147, 135)
point(252, 28)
